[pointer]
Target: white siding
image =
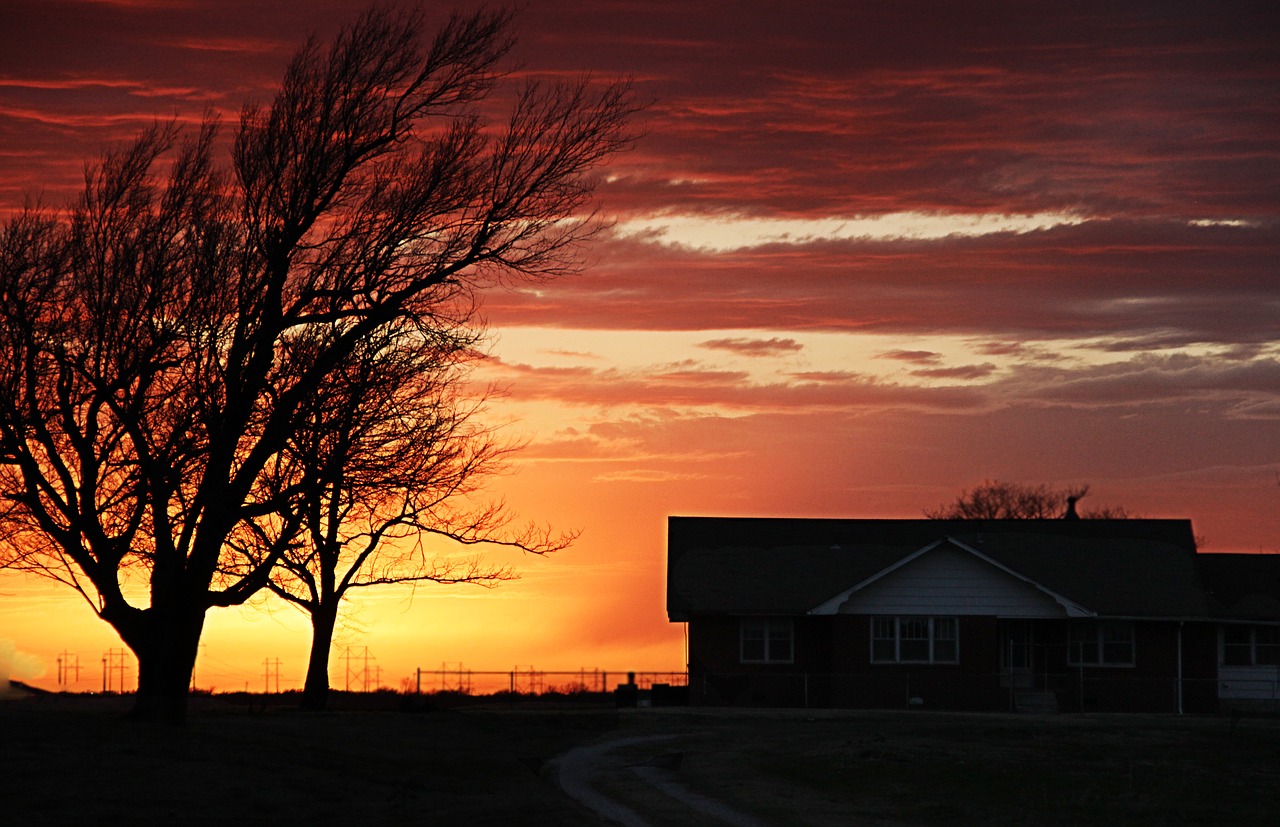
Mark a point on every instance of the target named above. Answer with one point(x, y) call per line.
point(1254, 683)
point(949, 581)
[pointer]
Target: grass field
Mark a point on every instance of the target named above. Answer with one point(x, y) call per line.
point(74, 761)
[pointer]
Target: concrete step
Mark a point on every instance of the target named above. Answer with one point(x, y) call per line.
point(1035, 701)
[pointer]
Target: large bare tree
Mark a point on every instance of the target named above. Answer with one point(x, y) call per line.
point(162, 340)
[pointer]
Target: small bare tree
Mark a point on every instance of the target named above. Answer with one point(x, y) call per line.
point(162, 342)
point(386, 459)
point(997, 500)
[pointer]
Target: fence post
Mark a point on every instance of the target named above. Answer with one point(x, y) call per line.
point(1080, 671)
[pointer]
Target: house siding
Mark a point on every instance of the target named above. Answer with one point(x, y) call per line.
point(949, 581)
point(833, 668)
point(718, 676)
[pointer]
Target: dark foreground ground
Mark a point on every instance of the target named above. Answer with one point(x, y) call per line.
point(74, 761)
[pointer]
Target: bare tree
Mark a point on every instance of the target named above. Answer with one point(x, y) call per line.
point(162, 339)
point(997, 500)
point(387, 459)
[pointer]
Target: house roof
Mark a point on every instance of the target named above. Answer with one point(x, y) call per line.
point(1242, 586)
point(746, 566)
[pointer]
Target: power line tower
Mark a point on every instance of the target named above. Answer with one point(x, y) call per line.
point(113, 670)
point(271, 670)
point(360, 675)
point(460, 674)
point(68, 665)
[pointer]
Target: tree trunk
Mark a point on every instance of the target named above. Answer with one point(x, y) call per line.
point(315, 693)
point(166, 650)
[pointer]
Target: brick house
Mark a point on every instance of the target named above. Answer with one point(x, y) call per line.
point(1108, 615)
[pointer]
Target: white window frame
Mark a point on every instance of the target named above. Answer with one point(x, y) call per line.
point(1082, 631)
point(1253, 645)
point(933, 629)
point(770, 629)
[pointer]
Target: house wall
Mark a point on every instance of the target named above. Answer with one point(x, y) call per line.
point(717, 675)
point(971, 683)
point(832, 668)
point(1149, 685)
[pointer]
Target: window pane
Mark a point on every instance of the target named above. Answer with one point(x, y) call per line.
point(913, 635)
point(916, 628)
point(1117, 643)
point(753, 634)
point(944, 639)
point(884, 639)
point(883, 651)
point(915, 650)
point(1267, 651)
point(780, 641)
point(1235, 635)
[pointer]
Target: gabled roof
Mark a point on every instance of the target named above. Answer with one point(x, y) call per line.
point(832, 606)
point(759, 566)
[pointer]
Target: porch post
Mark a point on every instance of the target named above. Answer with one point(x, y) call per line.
point(1179, 687)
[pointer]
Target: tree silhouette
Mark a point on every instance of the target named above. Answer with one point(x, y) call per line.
point(997, 500)
point(388, 456)
point(163, 340)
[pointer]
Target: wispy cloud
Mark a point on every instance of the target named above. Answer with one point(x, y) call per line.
point(724, 234)
point(754, 347)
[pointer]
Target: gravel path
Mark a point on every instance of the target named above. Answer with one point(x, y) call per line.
point(581, 768)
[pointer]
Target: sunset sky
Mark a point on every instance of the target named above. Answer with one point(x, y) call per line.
point(866, 254)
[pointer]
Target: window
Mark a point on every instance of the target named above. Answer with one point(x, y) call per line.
point(766, 640)
point(1250, 646)
point(1106, 643)
point(914, 640)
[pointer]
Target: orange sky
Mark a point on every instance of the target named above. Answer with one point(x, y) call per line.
point(865, 255)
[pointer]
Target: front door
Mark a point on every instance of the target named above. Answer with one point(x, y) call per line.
point(1017, 661)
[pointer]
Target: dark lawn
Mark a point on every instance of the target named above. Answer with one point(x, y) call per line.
point(73, 760)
